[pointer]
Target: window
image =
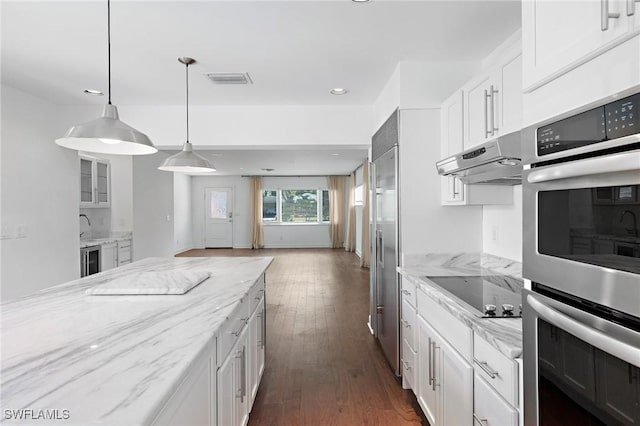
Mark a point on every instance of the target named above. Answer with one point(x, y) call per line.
point(295, 206)
point(269, 205)
point(358, 195)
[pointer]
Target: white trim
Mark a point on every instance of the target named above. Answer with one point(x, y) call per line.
point(293, 246)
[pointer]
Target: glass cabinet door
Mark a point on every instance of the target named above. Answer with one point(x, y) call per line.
point(86, 181)
point(102, 182)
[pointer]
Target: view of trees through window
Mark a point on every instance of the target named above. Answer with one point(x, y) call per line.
point(295, 205)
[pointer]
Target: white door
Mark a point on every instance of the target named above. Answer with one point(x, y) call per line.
point(218, 213)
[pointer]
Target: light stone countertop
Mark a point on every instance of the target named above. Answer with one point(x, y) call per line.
point(504, 334)
point(105, 240)
point(115, 359)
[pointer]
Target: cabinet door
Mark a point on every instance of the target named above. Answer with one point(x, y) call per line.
point(478, 119)
point(489, 407)
point(227, 391)
point(603, 246)
point(451, 142)
point(256, 351)
point(510, 96)
point(108, 255)
point(427, 394)
point(86, 182)
point(124, 252)
point(557, 35)
point(242, 369)
point(102, 183)
point(455, 383)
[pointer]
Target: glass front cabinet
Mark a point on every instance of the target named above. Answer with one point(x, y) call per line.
point(95, 182)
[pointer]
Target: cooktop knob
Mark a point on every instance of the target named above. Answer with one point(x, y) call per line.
point(507, 310)
point(490, 310)
point(520, 307)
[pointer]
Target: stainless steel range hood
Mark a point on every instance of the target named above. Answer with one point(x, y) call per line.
point(497, 162)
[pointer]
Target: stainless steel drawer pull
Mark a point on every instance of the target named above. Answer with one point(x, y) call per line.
point(605, 15)
point(490, 371)
point(430, 365)
point(483, 422)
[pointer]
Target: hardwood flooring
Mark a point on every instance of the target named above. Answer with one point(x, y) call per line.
point(323, 367)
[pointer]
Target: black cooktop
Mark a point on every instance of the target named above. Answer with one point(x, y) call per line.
point(490, 296)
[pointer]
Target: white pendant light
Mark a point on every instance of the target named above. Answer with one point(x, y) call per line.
point(187, 161)
point(107, 134)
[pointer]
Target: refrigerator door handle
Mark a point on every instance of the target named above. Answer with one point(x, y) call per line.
point(380, 248)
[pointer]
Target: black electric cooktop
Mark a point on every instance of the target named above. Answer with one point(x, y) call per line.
point(490, 296)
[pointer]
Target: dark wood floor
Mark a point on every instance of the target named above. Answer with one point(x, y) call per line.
point(323, 367)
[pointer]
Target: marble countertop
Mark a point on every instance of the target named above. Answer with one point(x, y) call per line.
point(115, 359)
point(104, 240)
point(504, 334)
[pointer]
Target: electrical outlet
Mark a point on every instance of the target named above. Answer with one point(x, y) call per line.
point(494, 234)
point(168, 218)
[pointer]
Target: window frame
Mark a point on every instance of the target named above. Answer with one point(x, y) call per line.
point(277, 221)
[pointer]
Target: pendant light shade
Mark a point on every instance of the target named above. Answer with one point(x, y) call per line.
point(107, 134)
point(187, 161)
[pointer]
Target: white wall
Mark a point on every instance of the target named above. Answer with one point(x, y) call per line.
point(40, 199)
point(231, 126)
point(427, 226)
point(182, 215)
point(153, 208)
point(121, 192)
point(502, 228)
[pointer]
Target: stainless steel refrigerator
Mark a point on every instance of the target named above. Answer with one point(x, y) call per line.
point(385, 292)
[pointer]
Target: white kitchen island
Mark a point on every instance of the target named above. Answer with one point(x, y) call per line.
point(142, 359)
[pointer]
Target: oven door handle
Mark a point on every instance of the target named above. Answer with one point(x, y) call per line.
point(622, 350)
point(623, 162)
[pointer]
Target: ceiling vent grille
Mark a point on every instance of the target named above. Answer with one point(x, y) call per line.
point(229, 78)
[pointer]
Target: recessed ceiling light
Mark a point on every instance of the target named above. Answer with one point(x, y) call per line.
point(360, 1)
point(268, 170)
point(334, 154)
point(93, 92)
point(338, 91)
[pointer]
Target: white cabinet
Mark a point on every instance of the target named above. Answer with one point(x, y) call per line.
point(232, 385)
point(109, 256)
point(489, 408)
point(257, 330)
point(124, 252)
point(451, 143)
point(192, 403)
point(445, 380)
point(561, 35)
point(493, 102)
point(95, 182)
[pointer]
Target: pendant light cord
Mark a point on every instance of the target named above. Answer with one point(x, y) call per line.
point(187, 64)
point(109, 44)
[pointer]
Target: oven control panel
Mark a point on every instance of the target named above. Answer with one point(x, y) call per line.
point(611, 121)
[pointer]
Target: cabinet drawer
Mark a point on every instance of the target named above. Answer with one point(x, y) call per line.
point(409, 365)
point(408, 324)
point(256, 293)
point(497, 369)
point(455, 331)
point(489, 409)
point(232, 328)
point(409, 292)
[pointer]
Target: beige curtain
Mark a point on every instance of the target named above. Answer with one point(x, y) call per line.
point(336, 210)
point(351, 214)
point(366, 250)
point(257, 239)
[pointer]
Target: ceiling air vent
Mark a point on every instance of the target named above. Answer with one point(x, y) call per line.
point(229, 78)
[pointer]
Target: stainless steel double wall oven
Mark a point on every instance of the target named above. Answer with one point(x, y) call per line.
point(581, 318)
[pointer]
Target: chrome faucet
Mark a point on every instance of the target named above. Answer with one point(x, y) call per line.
point(88, 222)
point(633, 231)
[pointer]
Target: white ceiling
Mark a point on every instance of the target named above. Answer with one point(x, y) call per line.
point(285, 162)
point(295, 51)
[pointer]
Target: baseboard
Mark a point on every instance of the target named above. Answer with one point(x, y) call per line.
point(293, 246)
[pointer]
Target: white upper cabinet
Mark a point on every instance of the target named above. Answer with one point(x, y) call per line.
point(451, 142)
point(493, 102)
point(561, 35)
point(95, 182)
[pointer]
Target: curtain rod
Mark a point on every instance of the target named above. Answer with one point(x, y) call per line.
point(295, 176)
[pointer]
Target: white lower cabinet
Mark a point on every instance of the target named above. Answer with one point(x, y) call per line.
point(194, 402)
point(108, 256)
point(232, 385)
point(257, 332)
point(445, 384)
point(490, 409)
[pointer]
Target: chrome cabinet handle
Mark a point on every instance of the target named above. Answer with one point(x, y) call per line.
point(605, 15)
point(487, 132)
point(238, 356)
point(430, 368)
point(453, 179)
point(433, 360)
point(239, 330)
point(259, 315)
point(490, 371)
point(483, 422)
point(264, 328)
point(243, 375)
point(631, 7)
point(494, 120)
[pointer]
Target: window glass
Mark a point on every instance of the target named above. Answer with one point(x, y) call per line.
point(299, 205)
point(218, 207)
point(269, 204)
point(357, 195)
point(325, 205)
